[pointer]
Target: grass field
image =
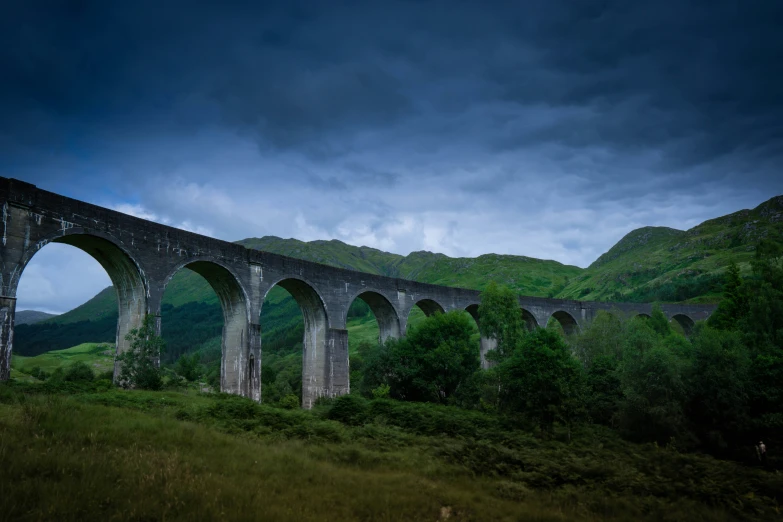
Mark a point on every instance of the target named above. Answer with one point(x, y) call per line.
point(121, 455)
point(98, 356)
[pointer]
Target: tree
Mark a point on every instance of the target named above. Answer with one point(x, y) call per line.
point(658, 321)
point(430, 364)
point(543, 380)
point(651, 377)
point(500, 318)
point(139, 364)
point(602, 338)
point(718, 381)
point(733, 306)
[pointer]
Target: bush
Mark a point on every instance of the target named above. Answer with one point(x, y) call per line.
point(290, 402)
point(79, 372)
point(381, 392)
point(349, 409)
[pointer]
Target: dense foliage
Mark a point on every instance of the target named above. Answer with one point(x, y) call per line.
point(720, 390)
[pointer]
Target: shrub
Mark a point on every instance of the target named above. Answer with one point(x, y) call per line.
point(290, 402)
point(79, 372)
point(381, 392)
point(349, 409)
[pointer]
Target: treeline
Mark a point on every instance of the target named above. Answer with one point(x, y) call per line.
point(34, 339)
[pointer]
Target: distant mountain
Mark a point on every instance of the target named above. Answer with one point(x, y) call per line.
point(31, 316)
point(658, 263)
point(527, 275)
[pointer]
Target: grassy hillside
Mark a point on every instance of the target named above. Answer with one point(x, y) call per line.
point(99, 356)
point(657, 263)
point(527, 275)
point(119, 455)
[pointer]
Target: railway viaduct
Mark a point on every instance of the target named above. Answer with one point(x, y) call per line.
point(141, 257)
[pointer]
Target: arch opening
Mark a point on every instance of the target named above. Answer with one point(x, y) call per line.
point(684, 323)
point(370, 320)
point(187, 295)
point(105, 325)
point(312, 354)
point(529, 320)
point(85, 286)
point(485, 343)
point(564, 320)
point(422, 308)
point(192, 322)
point(386, 319)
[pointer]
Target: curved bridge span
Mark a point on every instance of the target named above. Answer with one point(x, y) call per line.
point(141, 257)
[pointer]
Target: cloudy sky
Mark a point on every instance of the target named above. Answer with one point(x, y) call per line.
point(545, 128)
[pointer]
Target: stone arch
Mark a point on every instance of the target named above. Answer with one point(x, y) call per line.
point(127, 277)
point(473, 309)
point(428, 306)
point(316, 364)
point(644, 315)
point(235, 376)
point(567, 321)
point(684, 321)
point(529, 320)
point(385, 313)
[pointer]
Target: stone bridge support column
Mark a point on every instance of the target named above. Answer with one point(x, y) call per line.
point(254, 363)
point(487, 344)
point(339, 367)
point(7, 314)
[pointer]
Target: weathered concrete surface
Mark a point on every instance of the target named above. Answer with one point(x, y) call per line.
point(141, 257)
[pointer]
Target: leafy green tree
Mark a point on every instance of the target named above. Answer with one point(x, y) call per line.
point(654, 393)
point(602, 338)
point(430, 364)
point(500, 318)
point(543, 380)
point(605, 393)
point(718, 381)
point(659, 322)
point(139, 364)
point(733, 306)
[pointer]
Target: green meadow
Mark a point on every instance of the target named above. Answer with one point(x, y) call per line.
point(98, 356)
point(77, 454)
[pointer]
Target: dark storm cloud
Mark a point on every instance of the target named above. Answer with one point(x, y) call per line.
point(697, 80)
point(547, 128)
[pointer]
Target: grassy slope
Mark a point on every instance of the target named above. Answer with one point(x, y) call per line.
point(124, 455)
point(99, 356)
point(653, 256)
point(529, 276)
point(31, 316)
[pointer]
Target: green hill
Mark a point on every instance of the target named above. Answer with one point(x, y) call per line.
point(527, 275)
point(31, 316)
point(664, 264)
